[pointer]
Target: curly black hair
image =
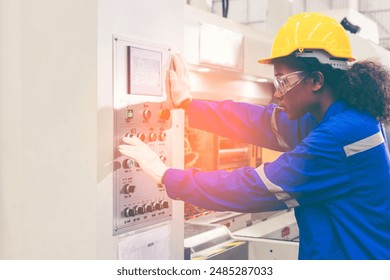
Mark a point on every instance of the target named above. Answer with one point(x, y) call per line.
point(365, 85)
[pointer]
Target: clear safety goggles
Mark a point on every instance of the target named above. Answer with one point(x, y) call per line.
point(286, 82)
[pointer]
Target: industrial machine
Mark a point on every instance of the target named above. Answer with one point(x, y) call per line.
point(141, 109)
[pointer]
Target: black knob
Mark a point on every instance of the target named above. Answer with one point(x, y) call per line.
point(140, 210)
point(148, 208)
point(129, 212)
point(157, 206)
point(129, 188)
point(164, 204)
point(128, 163)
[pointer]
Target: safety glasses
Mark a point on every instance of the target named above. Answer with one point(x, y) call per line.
point(286, 82)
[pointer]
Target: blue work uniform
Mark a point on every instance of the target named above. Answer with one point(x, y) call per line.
point(334, 173)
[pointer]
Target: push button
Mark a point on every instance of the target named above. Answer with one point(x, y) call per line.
point(165, 114)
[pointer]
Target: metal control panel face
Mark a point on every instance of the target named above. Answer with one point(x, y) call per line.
point(140, 109)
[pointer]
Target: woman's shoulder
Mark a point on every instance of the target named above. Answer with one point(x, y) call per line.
point(351, 125)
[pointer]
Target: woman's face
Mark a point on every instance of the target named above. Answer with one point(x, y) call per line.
point(298, 100)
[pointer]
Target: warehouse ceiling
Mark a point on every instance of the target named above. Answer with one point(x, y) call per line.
point(376, 10)
point(254, 12)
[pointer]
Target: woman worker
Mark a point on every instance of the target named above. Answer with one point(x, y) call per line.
point(335, 167)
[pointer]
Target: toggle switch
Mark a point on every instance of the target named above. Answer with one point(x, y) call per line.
point(129, 114)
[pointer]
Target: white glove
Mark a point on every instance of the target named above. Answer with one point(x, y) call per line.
point(148, 160)
point(179, 88)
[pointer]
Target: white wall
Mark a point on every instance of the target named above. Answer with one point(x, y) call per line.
point(48, 129)
point(56, 120)
point(10, 128)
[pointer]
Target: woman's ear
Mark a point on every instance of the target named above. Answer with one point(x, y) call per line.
point(318, 80)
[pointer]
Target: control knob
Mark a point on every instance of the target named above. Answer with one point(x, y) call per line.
point(128, 163)
point(130, 212)
point(152, 137)
point(141, 136)
point(164, 204)
point(147, 114)
point(157, 206)
point(163, 159)
point(162, 136)
point(129, 188)
point(148, 208)
point(139, 210)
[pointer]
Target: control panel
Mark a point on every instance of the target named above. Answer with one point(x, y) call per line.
point(141, 109)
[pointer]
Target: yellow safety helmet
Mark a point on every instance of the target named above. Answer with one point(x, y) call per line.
point(311, 31)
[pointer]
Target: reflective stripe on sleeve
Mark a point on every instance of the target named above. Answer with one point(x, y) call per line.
point(364, 144)
point(275, 129)
point(276, 190)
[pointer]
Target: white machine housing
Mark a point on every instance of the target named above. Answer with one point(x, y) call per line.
point(57, 124)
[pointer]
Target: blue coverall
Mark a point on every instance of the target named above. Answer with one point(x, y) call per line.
point(335, 174)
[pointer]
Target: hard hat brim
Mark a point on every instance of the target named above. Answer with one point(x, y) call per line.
point(265, 61)
point(270, 59)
